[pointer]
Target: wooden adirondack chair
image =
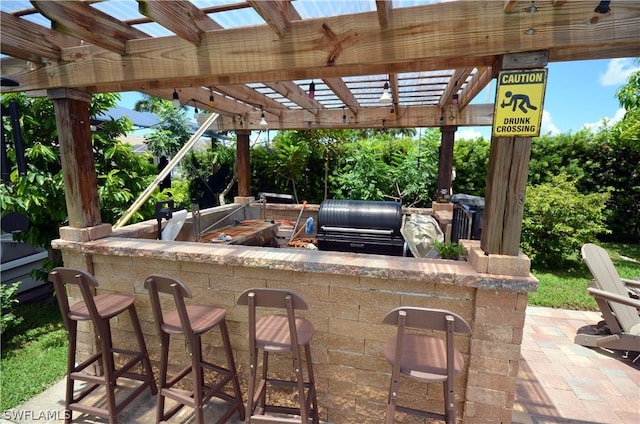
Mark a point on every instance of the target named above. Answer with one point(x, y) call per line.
point(619, 309)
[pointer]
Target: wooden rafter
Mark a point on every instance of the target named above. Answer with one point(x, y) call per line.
point(180, 17)
point(345, 95)
point(393, 87)
point(29, 41)
point(79, 19)
point(383, 8)
point(274, 12)
point(251, 97)
point(292, 92)
point(510, 5)
point(455, 83)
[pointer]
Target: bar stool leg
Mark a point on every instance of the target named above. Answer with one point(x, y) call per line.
point(198, 379)
point(109, 368)
point(265, 374)
point(449, 405)
point(70, 368)
point(146, 362)
point(312, 384)
point(393, 399)
point(164, 364)
point(304, 413)
point(226, 340)
point(252, 384)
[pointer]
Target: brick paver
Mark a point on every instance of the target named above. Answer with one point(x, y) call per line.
point(561, 382)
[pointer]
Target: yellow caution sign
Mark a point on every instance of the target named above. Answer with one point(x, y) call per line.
point(519, 103)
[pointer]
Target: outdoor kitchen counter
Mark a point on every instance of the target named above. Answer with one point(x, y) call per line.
point(459, 273)
point(348, 295)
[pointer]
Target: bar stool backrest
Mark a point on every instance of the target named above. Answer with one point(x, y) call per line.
point(87, 283)
point(427, 319)
point(272, 298)
point(156, 284)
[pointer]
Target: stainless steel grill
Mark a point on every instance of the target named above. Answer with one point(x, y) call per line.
point(361, 226)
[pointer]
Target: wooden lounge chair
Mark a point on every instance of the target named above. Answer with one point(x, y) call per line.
point(619, 309)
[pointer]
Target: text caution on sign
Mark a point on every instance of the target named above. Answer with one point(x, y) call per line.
point(519, 103)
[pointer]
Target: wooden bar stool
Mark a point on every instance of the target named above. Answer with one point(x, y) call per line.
point(99, 310)
point(422, 357)
point(192, 320)
point(279, 333)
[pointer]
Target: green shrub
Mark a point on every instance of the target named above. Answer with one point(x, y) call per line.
point(471, 160)
point(8, 319)
point(558, 220)
point(449, 250)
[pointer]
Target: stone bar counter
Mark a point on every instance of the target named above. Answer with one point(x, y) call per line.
point(348, 295)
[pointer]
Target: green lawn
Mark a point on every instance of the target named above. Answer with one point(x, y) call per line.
point(568, 288)
point(34, 355)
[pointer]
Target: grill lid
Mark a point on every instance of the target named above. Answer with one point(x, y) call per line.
point(336, 215)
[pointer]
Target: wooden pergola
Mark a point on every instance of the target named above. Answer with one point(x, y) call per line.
point(255, 58)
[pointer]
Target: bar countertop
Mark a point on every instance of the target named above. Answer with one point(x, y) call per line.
point(459, 273)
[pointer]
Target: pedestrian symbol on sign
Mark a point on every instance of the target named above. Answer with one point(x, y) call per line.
point(514, 99)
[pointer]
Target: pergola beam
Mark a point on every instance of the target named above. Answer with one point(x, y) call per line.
point(329, 47)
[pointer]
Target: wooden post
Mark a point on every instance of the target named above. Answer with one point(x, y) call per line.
point(244, 164)
point(76, 154)
point(445, 163)
point(507, 177)
point(505, 195)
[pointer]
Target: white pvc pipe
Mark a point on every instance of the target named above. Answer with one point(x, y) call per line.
point(144, 196)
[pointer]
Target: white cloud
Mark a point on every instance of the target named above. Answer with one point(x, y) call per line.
point(605, 122)
point(618, 71)
point(467, 134)
point(547, 126)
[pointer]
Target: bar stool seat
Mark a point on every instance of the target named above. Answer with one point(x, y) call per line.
point(99, 309)
point(274, 334)
point(201, 317)
point(107, 305)
point(192, 320)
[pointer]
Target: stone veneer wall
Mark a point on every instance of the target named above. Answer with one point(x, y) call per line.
point(348, 294)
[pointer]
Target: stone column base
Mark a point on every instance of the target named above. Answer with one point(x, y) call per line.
point(85, 234)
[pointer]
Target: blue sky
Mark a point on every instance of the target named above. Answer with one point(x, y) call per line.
point(578, 94)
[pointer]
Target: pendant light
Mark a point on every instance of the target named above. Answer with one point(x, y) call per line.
point(263, 121)
point(312, 90)
point(386, 96)
point(176, 99)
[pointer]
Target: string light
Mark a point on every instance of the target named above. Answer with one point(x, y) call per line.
point(211, 101)
point(386, 96)
point(344, 116)
point(263, 121)
point(176, 99)
point(312, 90)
